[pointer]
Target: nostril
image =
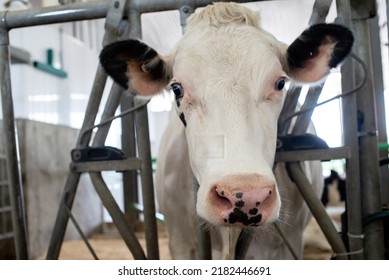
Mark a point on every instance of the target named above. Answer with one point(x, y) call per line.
point(220, 201)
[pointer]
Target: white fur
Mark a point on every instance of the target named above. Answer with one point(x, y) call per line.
point(176, 201)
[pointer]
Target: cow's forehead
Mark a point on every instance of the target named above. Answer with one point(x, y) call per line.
point(241, 56)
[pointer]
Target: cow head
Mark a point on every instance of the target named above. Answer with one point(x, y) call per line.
point(228, 76)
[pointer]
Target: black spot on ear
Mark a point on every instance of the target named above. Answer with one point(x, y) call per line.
point(182, 118)
point(307, 44)
point(239, 195)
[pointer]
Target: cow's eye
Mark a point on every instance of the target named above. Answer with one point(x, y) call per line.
point(178, 90)
point(280, 84)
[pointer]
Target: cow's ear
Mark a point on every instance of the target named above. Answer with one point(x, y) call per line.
point(133, 64)
point(318, 49)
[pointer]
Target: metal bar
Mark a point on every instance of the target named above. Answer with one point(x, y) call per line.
point(350, 138)
point(185, 12)
point(322, 154)
point(289, 108)
point(243, 244)
point(320, 11)
point(380, 102)
point(5, 209)
point(7, 235)
point(368, 145)
point(81, 233)
point(56, 14)
point(147, 6)
point(91, 10)
point(11, 150)
point(110, 108)
point(3, 183)
point(304, 120)
point(286, 241)
point(143, 144)
point(130, 178)
point(62, 218)
point(111, 165)
point(203, 236)
point(317, 209)
point(117, 216)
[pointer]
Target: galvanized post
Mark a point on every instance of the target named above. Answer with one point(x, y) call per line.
point(144, 152)
point(203, 236)
point(368, 138)
point(11, 148)
point(350, 139)
point(317, 208)
point(142, 131)
point(380, 103)
point(128, 140)
point(109, 202)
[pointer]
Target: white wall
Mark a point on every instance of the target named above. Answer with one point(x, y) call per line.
point(42, 96)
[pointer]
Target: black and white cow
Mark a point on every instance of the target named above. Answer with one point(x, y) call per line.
point(228, 76)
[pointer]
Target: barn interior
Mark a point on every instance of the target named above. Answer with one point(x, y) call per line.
point(77, 154)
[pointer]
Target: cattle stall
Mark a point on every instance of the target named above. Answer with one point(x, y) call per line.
point(367, 187)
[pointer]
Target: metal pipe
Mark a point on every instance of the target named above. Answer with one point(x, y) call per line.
point(185, 12)
point(317, 209)
point(91, 10)
point(56, 14)
point(380, 102)
point(350, 138)
point(303, 121)
point(14, 177)
point(61, 221)
point(203, 236)
point(150, 222)
point(110, 108)
point(130, 178)
point(368, 143)
point(289, 108)
point(117, 216)
point(243, 244)
point(147, 6)
point(320, 11)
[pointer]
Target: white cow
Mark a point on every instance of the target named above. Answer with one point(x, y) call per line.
point(228, 76)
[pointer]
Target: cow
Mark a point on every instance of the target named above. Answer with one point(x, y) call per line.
point(228, 76)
